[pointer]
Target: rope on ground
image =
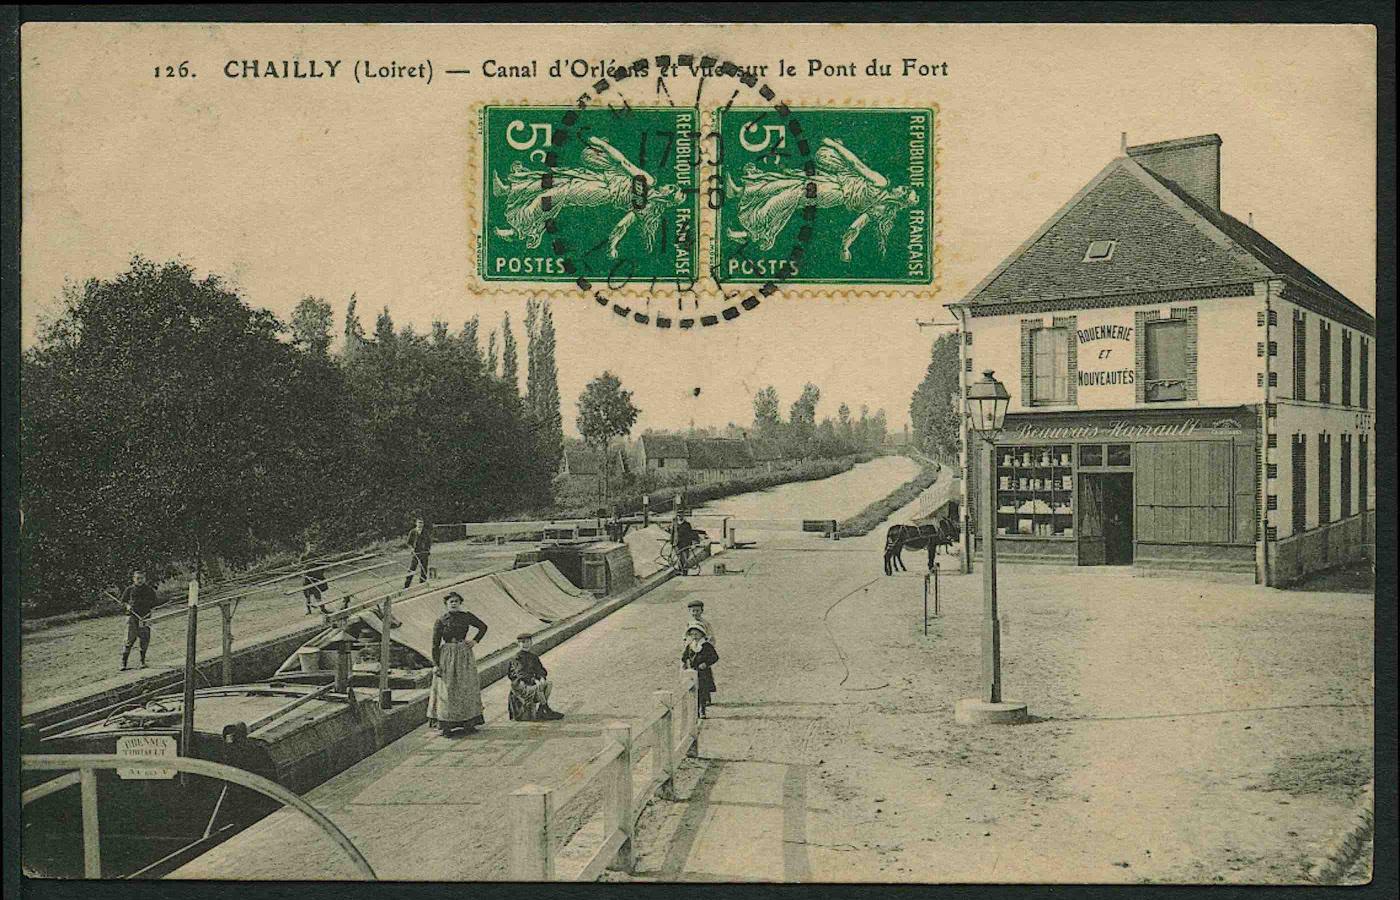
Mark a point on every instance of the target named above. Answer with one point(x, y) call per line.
point(839, 652)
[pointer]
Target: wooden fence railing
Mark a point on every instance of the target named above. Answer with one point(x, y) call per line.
point(667, 735)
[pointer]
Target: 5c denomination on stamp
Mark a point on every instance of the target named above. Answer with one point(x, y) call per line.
point(621, 184)
point(872, 186)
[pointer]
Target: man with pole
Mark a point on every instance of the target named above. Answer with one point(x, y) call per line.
point(420, 541)
point(138, 599)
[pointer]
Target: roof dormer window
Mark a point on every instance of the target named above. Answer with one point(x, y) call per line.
point(1099, 251)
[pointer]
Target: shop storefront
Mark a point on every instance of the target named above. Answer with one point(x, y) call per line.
point(1155, 488)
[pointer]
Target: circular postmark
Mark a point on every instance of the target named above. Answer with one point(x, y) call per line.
point(644, 144)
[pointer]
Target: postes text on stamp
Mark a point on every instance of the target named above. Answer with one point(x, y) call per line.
point(870, 179)
point(621, 183)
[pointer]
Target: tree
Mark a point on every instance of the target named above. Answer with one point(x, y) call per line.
point(931, 408)
point(802, 420)
point(471, 345)
point(767, 415)
point(605, 411)
point(510, 362)
point(542, 380)
point(164, 420)
point(491, 367)
point(354, 331)
point(384, 330)
point(311, 325)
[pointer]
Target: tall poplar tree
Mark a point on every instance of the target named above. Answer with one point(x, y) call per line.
point(510, 359)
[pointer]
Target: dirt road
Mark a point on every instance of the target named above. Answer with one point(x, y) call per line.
point(1183, 731)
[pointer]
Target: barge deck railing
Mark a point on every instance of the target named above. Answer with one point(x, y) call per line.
point(85, 766)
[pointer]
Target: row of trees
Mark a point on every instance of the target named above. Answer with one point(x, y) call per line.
point(933, 408)
point(165, 421)
point(801, 436)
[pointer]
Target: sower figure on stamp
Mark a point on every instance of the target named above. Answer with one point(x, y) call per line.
point(455, 703)
point(420, 541)
point(138, 599)
point(607, 178)
point(529, 685)
point(767, 199)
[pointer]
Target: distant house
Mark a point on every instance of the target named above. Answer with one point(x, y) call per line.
point(580, 461)
point(704, 458)
point(662, 454)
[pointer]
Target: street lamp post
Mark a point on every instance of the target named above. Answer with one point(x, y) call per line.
point(987, 401)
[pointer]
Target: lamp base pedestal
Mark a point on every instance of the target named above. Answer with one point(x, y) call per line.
point(974, 711)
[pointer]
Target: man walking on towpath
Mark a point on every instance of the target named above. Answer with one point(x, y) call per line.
point(420, 541)
point(138, 599)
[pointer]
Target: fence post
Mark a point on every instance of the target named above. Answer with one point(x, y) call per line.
point(226, 609)
point(663, 758)
point(531, 856)
point(926, 579)
point(692, 713)
point(937, 607)
point(617, 809)
point(191, 653)
point(386, 619)
point(92, 847)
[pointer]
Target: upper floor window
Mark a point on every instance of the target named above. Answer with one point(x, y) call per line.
point(1324, 361)
point(1166, 360)
point(1300, 355)
point(1346, 367)
point(1050, 365)
point(1364, 382)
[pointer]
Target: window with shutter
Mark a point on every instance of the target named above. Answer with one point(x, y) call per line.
point(1300, 483)
point(1166, 360)
point(1050, 365)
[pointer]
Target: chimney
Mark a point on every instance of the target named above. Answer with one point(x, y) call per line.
point(1191, 164)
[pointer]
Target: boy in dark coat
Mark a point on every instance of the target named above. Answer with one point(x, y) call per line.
point(700, 654)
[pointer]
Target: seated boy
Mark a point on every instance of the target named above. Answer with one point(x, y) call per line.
point(529, 685)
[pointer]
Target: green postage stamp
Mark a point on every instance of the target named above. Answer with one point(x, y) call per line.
point(861, 178)
point(607, 194)
point(626, 196)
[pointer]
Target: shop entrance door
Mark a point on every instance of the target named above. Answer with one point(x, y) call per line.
point(1118, 519)
point(1105, 519)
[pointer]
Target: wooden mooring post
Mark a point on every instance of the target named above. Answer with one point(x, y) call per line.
point(226, 611)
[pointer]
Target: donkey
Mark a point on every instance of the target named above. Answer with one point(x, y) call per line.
point(933, 536)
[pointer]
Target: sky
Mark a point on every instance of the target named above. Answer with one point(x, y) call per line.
point(333, 188)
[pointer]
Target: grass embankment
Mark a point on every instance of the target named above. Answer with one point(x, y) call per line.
point(628, 498)
point(870, 518)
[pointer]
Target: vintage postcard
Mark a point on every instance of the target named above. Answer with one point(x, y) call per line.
point(699, 453)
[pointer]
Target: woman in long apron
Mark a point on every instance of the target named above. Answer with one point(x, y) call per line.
point(455, 703)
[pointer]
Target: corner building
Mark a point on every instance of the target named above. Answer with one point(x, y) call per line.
point(1184, 394)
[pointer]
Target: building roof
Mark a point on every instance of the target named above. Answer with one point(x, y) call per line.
point(720, 453)
point(1165, 240)
point(668, 446)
